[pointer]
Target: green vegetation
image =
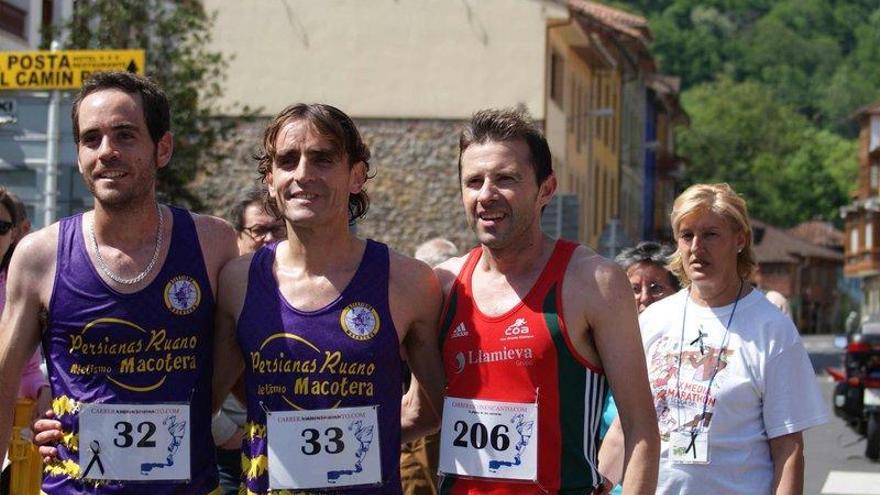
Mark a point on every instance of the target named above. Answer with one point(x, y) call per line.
point(770, 86)
point(175, 36)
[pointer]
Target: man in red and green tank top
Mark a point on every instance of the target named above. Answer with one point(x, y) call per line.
point(532, 333)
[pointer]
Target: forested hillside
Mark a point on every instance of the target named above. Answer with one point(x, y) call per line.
point(770, 86)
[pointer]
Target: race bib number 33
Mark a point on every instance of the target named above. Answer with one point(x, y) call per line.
point(325, 448)
point(134, 442)
point(489, 439)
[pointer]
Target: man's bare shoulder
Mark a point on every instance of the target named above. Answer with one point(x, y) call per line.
point(233, 283)
point(37, 251)
point(213, 228)
point(33, 264)
point(217, 238)
point(410, 276)
point(593, 274)
point(448, 271)
point(236, 268)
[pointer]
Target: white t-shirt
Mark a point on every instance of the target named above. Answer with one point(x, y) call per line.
point(765, 387)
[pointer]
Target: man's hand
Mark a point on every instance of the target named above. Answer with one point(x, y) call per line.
point(44, 403)
point(47, 434)
point(234, 442)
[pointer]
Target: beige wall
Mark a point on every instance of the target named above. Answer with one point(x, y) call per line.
point(585, 146)
point(386, 58)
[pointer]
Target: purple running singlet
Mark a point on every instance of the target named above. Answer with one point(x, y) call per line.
point(150, 347)
point(343, 355)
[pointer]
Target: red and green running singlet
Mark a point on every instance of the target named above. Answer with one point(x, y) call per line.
point(511, 356)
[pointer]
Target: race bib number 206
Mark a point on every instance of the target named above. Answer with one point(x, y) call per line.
point(489, 439)
point(134, 442)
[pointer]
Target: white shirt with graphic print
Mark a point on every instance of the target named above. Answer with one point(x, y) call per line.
point(765, 387)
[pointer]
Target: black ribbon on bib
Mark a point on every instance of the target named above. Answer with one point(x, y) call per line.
point(693, 444)
point(95, 449)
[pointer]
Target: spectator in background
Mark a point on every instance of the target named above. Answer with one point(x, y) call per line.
point(419, 458)
point(645, 267)
point(255, 227)
point(33, 384)
point(779, 301)
point(23, 227)
point(773, 296)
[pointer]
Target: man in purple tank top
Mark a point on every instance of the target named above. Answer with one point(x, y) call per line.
point(318, 324)
point(122, 298)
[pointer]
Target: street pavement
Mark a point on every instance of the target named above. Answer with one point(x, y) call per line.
point(835, 460)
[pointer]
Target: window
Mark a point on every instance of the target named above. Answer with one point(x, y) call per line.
point(869, 236)
point(12, 19)
point(557, 73)
point(596, 199)
point(875, 133)
point(572, 113)
point(875, 174)
point(578, 116)
point(854, 239)
point(584, 95)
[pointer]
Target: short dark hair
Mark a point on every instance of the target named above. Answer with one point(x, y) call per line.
point(648, 252)
point(331, 123)
point(252, 196)
point(8, 201)
point(508, 125)
point(157, 110)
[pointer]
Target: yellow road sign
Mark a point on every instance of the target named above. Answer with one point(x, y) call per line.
point(63, 69)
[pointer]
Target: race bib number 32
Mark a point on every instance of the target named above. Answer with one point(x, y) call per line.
point(134, 442)
point(325, 448)
point(489, 439)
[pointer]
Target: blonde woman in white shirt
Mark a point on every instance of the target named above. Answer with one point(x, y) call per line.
point(733, 386)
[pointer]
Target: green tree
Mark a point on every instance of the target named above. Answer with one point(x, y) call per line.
point(788, 170)
point(175, 35)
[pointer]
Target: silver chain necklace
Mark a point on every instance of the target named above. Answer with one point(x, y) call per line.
point(103, 264)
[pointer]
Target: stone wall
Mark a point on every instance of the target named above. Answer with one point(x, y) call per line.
point(414, 192)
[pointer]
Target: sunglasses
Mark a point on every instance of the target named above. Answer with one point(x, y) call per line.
point(5, 227)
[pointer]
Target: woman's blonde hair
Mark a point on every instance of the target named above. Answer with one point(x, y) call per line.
point(720, 199)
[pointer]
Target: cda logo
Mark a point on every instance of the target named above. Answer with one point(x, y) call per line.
point(519, 329)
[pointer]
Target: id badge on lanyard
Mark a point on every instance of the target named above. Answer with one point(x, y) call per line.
point(324, 448)
point(489, 439)
point(689, 446)
point(135, 442)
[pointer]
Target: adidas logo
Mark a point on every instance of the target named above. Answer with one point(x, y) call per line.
point(460, 331)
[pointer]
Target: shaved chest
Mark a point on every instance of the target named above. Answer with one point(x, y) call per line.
point(497, 295)
point(308, 293)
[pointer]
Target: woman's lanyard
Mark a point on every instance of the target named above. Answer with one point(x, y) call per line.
point(721, 353)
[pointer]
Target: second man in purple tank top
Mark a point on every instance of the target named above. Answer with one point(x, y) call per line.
point(318, 323)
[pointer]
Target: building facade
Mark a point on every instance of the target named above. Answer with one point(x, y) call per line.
point(807, 274)
point(408, 70)
point(23, 117)
point(861, 249)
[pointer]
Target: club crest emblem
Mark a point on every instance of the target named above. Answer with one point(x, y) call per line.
point(359, 321)
point(182, 295)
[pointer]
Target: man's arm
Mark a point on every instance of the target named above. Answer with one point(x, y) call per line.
point(611, 453)
point(601, 290)
point(31, 268)
point(416, 298)
point(218, 242)
point(787, 453)
point(228, 363)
